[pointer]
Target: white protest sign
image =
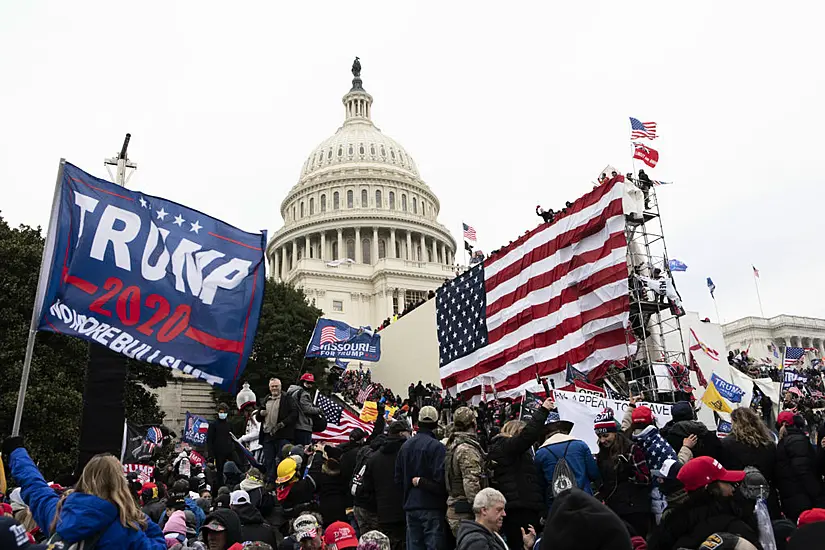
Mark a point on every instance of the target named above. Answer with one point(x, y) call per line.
point(581, 409)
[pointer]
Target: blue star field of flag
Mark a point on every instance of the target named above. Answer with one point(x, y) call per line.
point(461, 308)
point(332, 411)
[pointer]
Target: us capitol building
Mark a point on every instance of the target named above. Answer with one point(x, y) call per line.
point(361, 234)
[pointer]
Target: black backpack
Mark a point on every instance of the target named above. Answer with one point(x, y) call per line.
point(56, 542)
point(563, 476)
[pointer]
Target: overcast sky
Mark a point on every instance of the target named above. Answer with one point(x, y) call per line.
point(502, 105)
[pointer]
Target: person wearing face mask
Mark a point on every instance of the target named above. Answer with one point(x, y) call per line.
point(219, 445)
point(713, 505)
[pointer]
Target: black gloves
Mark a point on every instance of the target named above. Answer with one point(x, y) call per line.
point(10, 444)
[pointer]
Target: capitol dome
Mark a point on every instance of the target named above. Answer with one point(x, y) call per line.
point(360, 233)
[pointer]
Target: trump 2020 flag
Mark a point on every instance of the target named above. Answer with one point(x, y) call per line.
point(676, 265)
point(335, 339)
point(152, 279)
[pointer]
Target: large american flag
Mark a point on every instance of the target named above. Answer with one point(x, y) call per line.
point(793, 356)
point(557, 295)
point(340, 421)
point(469, 232)
point(332, 334)
point(640, 129)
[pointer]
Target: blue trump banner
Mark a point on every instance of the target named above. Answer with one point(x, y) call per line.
point(151, 279)
point(194, 430)
point(731, 392)
point(335, 339)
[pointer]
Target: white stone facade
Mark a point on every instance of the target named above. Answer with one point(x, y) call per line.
point(361, 233)
point(783, 330)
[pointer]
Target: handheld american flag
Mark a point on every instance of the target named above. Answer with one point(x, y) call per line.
point(340, 421)
point(793, 356)
point(557, 295)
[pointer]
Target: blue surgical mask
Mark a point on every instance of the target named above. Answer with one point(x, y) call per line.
point(222, 416)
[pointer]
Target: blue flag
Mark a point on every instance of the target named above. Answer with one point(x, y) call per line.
point(151, 279)
point(676, 265)
point(731, 392)
point(337, 339)
point(194, 430)
point(711, 287)
point(341, 364)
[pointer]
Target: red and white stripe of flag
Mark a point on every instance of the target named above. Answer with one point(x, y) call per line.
point(556, 295)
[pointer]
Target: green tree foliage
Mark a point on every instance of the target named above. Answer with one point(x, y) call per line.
point(284, 329)
point(51, 418)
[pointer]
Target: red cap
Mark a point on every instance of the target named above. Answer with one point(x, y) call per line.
point(341, 534)
point(6, 509)
point(307, 377)
point(811, 516)
point(704, 470)
point(785, 417)
point(642, 415)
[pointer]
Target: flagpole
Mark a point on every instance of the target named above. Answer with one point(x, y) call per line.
point(716, 306)
point(758, 297)
point(42, 283)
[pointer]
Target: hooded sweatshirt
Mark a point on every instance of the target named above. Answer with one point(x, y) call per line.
point(579, 521)
point(230, 520)
point(82, 516)
point(474, 536)
point(578, 457)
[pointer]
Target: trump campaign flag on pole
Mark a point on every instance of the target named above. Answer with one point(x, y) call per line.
point(334, 339)
point(151, 279)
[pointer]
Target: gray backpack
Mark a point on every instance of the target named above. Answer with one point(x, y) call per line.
point(563, 476)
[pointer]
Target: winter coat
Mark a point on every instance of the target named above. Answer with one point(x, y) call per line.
point(422, 456)
point(737, 455)
point(474, 536)
point(797, 478)
point(676, 432)
point(514, 470)
point(155, 509)
point(193, 507)
point(219, 444)
point(626, 482)
point(350, 449)
point(251, 438)
point(253, 526)
point(258, 497)
point(379, 480)
point(464, 468)
point(690, 523)
point(332, 491)
point(297, 498)
point(287, 413)
point(305, 407)
point(578, 457)
point(230, 520)
point(82, 516)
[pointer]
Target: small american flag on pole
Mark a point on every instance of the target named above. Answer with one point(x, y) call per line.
point(469, 232)
point(793, 356)
point(640, 129)
point(364, 394)
point(340, 421)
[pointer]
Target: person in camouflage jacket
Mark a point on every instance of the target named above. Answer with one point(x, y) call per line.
point(464, 468)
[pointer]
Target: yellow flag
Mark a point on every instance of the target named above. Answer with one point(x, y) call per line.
point(370, 411)
point(2, 477)
point(715, 401)
point(390, 411)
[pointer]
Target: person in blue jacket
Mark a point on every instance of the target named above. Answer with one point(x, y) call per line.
point(100, 508)
point(576, 453)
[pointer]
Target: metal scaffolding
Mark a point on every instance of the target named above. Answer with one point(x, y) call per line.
point(654, 325)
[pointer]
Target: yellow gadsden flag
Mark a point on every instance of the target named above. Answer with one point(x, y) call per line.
point(370, 411)
point(715, 401)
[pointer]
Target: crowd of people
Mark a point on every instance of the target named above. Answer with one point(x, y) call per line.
point(442, 474)
point(411, 306)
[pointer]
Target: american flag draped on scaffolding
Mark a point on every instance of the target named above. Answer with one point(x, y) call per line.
point(557, 295)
